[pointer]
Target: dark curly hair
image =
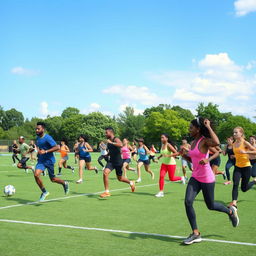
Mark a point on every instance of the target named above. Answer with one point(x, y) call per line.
point(169, 139)
point(199, 123)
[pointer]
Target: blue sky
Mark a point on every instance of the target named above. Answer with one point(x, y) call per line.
point(102, 55)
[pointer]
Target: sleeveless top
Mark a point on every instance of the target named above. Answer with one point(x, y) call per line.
point(201, 172)
point(230, 152)
point(114, 154)
point(125, 153)
point(142, 154)
point(166, 159)
point(81, 151)
point(242, 160)
point(63, 151)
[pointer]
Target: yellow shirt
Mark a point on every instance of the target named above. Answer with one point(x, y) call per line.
point(242, 160)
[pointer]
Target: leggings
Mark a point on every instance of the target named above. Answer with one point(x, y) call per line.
point(253, 163)
point(193, 188)
point(244, 174)
point(229, 164)
point(101, 157)
point(14, 156)
point(171, 173)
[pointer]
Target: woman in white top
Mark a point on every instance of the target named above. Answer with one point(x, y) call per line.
point(103, 154)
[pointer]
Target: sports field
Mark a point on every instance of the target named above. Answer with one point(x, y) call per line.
point(124, 224)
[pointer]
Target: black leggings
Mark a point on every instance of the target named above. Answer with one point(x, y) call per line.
point(101, 157)
point(244, 174)
point(193, 188)
point(14, 156)
point(229, 164)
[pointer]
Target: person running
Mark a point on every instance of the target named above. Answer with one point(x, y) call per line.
point(85, 159)
point(168, 154)
point(214, 153)
point(33, 152)
point(103, 154)
point(203, 177)
point(242, 149)
point(46, 160)
point(114, 146)
point(15, 152)
point(143, 153)
point(24, 150)
point(64, 150)
point(231, 159)
point(185, 146)
point(76, 153)
point(152, 154)
point(126, 156)
point(134, 152)
point(253, 156)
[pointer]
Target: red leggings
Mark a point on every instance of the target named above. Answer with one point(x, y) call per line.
point(171, 172)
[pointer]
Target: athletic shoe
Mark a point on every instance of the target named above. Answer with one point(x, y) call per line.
point(79, 181)
point(183, 180)
point(193, 238)
point(152, 176)
point(96, 170)
point(105, 194)
point(138, 180)
point(43, 196)
point(234, 216)
point(103, 168)
point(160, 194)
point(14, 165)
point(227, 182)
point(133, 186)
point(66, 187)
point(73, 169)
point(59, 174)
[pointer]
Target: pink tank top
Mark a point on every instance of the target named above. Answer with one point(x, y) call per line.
point(201, 172)
point(126, 153)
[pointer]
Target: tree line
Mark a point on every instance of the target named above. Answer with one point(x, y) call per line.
point(163, 118)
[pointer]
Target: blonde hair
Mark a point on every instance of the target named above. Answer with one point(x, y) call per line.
point(241, 129)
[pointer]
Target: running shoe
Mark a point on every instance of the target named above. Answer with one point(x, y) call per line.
point(96, 170)
point(160, 194)
point(105, 194)
point(193, 238)
point(43, 196)
point(133, 186)
point(79, 181)
point(138, 180)
point(234, 216)
point(59, 174)
point(183, 180)
point(73, 169)
point(227, 182)
point(66, 187)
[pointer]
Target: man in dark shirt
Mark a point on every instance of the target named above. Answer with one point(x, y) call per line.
point(114, 145)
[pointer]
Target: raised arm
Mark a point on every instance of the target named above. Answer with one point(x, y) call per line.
point(213, 141)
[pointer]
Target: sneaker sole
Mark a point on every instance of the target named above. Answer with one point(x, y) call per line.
point(194, 241)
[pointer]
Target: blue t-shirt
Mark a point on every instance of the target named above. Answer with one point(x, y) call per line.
point(82, 153)
point(46, 142)
point(142, 154)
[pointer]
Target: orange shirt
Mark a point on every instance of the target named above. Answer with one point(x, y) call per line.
point(63, 151)
point(242, 160)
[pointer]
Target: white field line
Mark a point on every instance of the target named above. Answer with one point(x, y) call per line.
point(120, 231)
point(68, 197)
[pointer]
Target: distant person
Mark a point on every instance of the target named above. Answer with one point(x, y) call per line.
point(103, 154)
point(253, 156)
point(185, 146)
point(215, 163)
point(33, 152)
point(152, 154)
point(134, 151)
point(76, 153)
point(231, 159)
point(15, 152)
point(126, 156)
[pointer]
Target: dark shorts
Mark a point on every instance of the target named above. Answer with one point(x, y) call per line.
point(134, 153)
point(118, 168)
point(76, 154)
point(145, 162)
point(128, 160)
point(86, 159)
point(49, 167)
point(215, 161)
point(23, 162)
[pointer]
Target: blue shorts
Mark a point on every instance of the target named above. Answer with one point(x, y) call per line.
point(49, 167)
point(128, 160)
point(65, 158)
point(145, 162)
point(87, 159)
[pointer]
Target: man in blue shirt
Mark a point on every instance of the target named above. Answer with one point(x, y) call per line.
point(46, 160)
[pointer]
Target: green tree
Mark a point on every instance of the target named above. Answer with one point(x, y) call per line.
point(160, 108)
point(54, 126)
point(169, 122)
point(69, 112)
point(130, 125)
point(12, 118)
point(183, 113)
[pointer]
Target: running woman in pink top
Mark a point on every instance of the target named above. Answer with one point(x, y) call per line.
point(202, 176)
point(126, 156)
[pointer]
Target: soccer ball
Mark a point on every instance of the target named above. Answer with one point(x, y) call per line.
point(9, 190)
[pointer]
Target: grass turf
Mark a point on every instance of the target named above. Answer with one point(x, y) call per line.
point(138, 212)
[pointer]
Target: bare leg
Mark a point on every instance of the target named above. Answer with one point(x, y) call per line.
point(38, 180)
point(106, 172)
point(147, 169)
point(139, 169)
point(81, 169)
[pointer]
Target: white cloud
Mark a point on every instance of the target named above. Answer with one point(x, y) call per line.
point(24, 71)
point(44, 110)
point(243, 7)
point(93, 107)
point(134, 94)
point(137, 111)
point(217, 79)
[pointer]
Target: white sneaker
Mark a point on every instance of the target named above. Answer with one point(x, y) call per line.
point(160, 194)
point(79, 181)
point(138, 180)
point(183, 180)
point(14, 165)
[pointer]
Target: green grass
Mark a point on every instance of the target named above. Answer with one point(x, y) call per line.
point(138, 212)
